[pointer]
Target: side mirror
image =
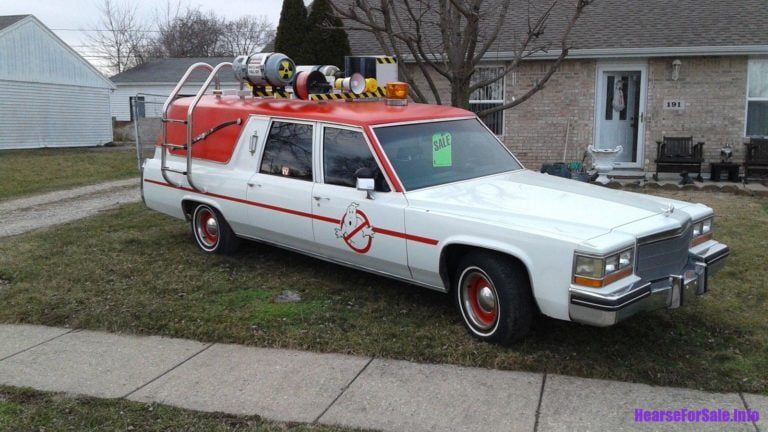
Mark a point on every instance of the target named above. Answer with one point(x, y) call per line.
point(368, 185)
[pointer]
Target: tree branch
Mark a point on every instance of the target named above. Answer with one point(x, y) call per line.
point(540, 84)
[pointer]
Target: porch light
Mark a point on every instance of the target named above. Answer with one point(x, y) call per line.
point(676, 64)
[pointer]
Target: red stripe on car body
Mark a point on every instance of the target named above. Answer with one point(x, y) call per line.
point(382, 231)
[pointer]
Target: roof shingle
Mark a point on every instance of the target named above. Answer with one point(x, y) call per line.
point(620, 24)
point(8, 20)
point(170, 70)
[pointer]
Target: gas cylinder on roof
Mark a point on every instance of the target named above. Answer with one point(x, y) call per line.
point(265, 69)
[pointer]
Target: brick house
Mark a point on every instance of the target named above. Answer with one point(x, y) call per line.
point(686, 67)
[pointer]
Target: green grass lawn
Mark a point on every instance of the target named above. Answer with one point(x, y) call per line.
point(29, 410)
point(25, 172)
point(135, 271)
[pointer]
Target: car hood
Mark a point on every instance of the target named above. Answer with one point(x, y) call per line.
point(541, 202)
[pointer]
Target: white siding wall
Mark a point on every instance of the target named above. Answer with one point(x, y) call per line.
point(30, 53)
point(49, 95)
point(48, 115)
point(120, 98)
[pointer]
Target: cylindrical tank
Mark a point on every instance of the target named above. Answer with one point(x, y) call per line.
point(265, 69)
point(327, 70)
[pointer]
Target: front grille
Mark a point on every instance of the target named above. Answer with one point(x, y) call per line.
point(664, 254)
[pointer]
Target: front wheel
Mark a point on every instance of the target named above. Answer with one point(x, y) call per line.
point(493, 295)
point(212, 233)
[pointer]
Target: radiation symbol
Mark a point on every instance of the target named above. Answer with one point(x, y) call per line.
point(285, 70)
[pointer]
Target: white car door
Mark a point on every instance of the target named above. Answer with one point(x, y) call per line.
point(348, 226)
point(280, 192)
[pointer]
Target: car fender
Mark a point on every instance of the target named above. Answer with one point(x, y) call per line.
point(549, 295)
point(202, 199)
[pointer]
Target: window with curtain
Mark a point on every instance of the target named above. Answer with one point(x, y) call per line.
point(488, 97)
point(757, 98)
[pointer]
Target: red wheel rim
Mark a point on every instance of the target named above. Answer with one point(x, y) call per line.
point(207, 228)
point(486, 317)
point(480, 300)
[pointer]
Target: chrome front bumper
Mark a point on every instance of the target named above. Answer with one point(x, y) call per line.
point(589, 306)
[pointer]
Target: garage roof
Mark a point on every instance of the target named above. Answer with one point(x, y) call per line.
point(170, 70)
point(8, 20)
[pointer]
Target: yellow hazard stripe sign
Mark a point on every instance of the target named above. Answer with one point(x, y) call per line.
point(386, 60)
point(275, 94)
point(379, 93)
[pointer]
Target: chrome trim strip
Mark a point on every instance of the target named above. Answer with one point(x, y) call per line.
point(605, 299)
point(714, 254)
point(664, 235)
point(610, 308)
point(719, 258)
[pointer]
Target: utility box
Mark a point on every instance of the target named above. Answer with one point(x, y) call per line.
point(383, 68)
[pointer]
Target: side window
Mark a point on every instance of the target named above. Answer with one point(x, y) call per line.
point(345, 152)
point(288, 151)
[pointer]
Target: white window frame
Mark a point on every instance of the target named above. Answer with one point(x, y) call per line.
point(750, 61)
point(501, 101)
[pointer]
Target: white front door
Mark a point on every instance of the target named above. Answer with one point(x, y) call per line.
point(620, 111)
point(349, 226)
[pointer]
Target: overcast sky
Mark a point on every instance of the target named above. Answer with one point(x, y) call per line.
point(67, 17)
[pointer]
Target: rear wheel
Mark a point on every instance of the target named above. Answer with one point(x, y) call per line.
point(212, 233)
point(493, 295)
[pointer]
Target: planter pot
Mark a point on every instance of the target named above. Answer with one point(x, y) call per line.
point(602, 162)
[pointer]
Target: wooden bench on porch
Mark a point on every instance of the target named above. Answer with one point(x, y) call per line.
point(756, 158)
point(678, 154)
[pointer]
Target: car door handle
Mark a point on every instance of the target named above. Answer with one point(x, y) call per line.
point(318, 198)
point(252, 184)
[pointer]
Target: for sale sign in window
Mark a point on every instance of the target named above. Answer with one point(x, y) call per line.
point(441, 150)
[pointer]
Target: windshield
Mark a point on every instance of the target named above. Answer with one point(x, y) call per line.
point(435, 153)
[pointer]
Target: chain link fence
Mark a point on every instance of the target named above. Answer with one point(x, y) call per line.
point(146, 125)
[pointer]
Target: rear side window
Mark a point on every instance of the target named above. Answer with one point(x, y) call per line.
point(288, 151)
point(344, 153)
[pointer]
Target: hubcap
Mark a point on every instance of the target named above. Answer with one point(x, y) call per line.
point(212, 227)
point(486, 299)
point(479, 300)
point(207, 228)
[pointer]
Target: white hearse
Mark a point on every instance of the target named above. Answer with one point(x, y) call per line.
point(428, 195)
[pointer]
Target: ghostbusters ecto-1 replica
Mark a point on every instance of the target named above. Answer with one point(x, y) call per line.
point(332, 165)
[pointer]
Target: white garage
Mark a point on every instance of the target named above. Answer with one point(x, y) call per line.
point(51, 96)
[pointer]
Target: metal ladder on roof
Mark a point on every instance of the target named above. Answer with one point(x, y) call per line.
point(190, 141)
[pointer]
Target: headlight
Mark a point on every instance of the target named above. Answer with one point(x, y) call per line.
point(596, 272)
point(702, 231)
point(589, 266)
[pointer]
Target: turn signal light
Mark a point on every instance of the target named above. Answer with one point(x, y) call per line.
point(607, 280)
point(701, 239)
point(397, 93)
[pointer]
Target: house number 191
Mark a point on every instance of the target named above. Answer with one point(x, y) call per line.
point(674, 104)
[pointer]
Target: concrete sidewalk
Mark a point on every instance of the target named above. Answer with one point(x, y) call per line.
point(337, 389)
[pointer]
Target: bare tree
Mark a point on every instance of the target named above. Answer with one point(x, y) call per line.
point(121, 39)
point(189, 32)
point(246, 35)
point(449, 38)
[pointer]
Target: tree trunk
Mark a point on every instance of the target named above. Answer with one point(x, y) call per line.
point(460, 93)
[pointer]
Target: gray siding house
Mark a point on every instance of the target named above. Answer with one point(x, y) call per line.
point(51, 96)
point(718, 94)
point(148, 85)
